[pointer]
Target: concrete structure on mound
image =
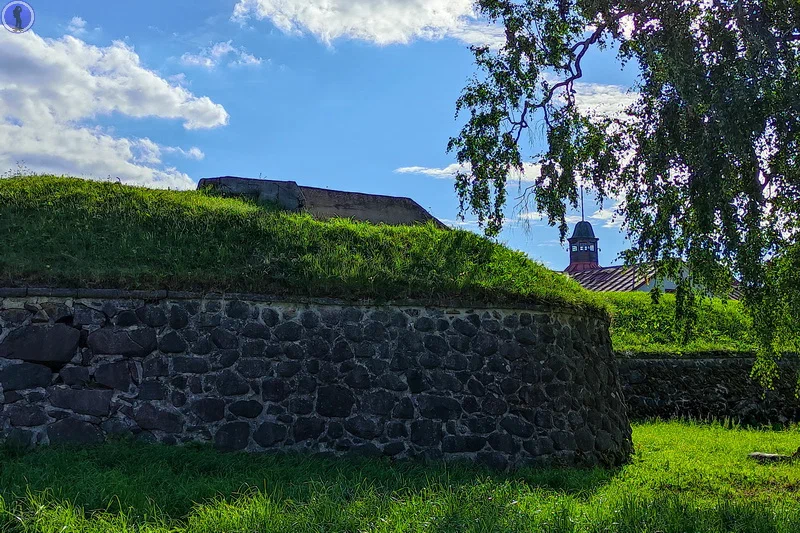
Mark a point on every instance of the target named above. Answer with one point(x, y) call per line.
point(503, 387)
point(324, 203)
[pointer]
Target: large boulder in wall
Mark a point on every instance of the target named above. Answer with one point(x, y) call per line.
point(41, 344)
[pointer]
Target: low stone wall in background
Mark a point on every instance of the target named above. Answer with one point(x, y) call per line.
point(502, 387)
point(712, 387)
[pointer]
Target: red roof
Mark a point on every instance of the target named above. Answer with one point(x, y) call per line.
point(622, 279)
point(580, 266)
point(614, 278)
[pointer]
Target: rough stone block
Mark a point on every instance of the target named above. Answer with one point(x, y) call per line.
point(269, 434)
point(20, 376)
point(116, 375)
point(74, 431)
point(426, 432)
point(335, 401)
point(132, 343)
point(232, 436)
point(246, 408)
point(74, 375)
point(25, 415)
point(209, 409)
point(84, 401)
point(190, 365)
point(150, 417)
point(42, 344)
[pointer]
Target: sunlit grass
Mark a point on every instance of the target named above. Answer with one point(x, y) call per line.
point(640, 326)
point(684, 477)
point(79, 233)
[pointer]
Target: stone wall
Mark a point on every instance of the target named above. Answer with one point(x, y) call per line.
point(711, 387)
point(503, 387)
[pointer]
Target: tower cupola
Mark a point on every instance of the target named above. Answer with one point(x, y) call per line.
point(583, 248)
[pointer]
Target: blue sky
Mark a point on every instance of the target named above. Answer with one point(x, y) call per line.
point(345, 94)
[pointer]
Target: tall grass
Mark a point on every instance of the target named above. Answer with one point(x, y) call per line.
point(685, 477)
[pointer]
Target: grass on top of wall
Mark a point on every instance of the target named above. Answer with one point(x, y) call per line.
point(638, 326)
point(60, 231)
point(684, 477)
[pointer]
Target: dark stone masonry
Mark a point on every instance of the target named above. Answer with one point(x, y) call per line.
point(715, 387)
point(500, 387)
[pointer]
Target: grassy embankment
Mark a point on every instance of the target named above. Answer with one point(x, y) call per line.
point(684, 478)
point(639, 326)
point(69, 232)
point(63, 232)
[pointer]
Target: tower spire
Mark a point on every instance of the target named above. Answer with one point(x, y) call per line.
point(582, 217)
point(582, 246)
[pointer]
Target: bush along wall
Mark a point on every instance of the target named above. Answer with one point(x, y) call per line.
point(498, 386)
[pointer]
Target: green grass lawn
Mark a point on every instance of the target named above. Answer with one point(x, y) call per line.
point(684, 478)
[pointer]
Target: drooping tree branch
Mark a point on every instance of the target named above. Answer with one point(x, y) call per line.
point(706, 161)
point(574, 66)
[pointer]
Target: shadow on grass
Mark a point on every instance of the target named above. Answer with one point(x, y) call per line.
point(136, 475)
point(133, 486)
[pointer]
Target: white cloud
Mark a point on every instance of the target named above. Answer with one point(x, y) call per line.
point(550, 243)
point(247, 59)
point(595, 98)
point(530, 172)
point(446, 173)
point(378, 21)
point(77, 26)
point(605, 216)
point(603, 99)
point(215, 54)
point(627, 26)
point(197, 61)
point(477, 34)
point(534, 216)
point(69, 80)
point(51, 89)
point(86, 152)
point(179, 79)
point(195, 153)
point(150, 152)
point(459, 223)
point(192, 153)
point(608, 217)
